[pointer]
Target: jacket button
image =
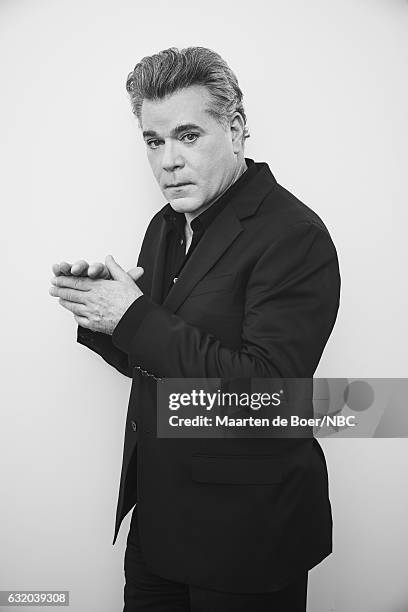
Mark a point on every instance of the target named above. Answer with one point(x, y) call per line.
point(134, 425)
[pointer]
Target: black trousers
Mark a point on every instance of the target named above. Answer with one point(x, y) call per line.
point(145, 591)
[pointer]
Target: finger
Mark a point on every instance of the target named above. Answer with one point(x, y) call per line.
point(61, 268)
point(65, 268)
point(115, 270)
point(136, 273)
point(82, 321)
point(80, 268)
point(73, 282)
point(78, 309)
point(98, 270)
point(70, 295)
point(56, 269)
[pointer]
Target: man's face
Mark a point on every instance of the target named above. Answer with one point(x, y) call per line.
point(186, 145)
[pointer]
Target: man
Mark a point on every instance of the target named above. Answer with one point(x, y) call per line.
point(236, 278)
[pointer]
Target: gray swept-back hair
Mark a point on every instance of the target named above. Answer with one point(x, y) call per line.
point(164, 73)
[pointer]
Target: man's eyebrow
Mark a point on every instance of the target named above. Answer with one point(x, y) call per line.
point(176, 131)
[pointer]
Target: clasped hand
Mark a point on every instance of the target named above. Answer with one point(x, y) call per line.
point(97, 295)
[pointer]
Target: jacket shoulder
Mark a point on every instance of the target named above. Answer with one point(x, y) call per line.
point(155, 221)
point(151, 237)
point(281, 211)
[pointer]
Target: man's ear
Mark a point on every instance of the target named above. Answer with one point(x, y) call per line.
point(237, 127)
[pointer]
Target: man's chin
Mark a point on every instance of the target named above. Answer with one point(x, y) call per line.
point(185, 205)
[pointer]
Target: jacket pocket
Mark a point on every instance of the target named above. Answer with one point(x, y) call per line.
point(237, 469)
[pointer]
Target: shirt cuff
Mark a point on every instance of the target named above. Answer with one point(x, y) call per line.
point(125, 330)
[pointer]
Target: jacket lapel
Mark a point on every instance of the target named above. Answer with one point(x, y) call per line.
point(216, 240)
point(212, 245)
point(158, 264)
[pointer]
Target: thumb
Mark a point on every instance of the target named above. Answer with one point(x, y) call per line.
point(136, 273)
point(117, 273)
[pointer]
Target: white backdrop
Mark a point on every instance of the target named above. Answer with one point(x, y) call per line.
point(325, 90)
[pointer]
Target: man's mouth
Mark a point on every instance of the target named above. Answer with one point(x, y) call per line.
point(174, 185)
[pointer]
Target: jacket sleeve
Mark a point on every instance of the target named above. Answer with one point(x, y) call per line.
point(291, 303)
point(102, 345)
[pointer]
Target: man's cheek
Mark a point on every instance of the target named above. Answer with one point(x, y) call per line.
point(155, 166)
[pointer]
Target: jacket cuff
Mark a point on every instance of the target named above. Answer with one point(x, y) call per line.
point(85, 336)
point(130, 322)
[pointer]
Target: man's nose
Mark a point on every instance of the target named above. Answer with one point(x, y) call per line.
point(171, 157)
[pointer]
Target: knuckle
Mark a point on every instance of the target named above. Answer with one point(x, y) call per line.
point(80, 263)
point(95, 315)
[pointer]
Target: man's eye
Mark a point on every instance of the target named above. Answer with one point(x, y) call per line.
point(153, 144)
point(195, 136)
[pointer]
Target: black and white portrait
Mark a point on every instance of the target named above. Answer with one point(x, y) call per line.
point(203, 193)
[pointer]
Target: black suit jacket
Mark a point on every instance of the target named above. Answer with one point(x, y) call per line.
point(257, 298)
